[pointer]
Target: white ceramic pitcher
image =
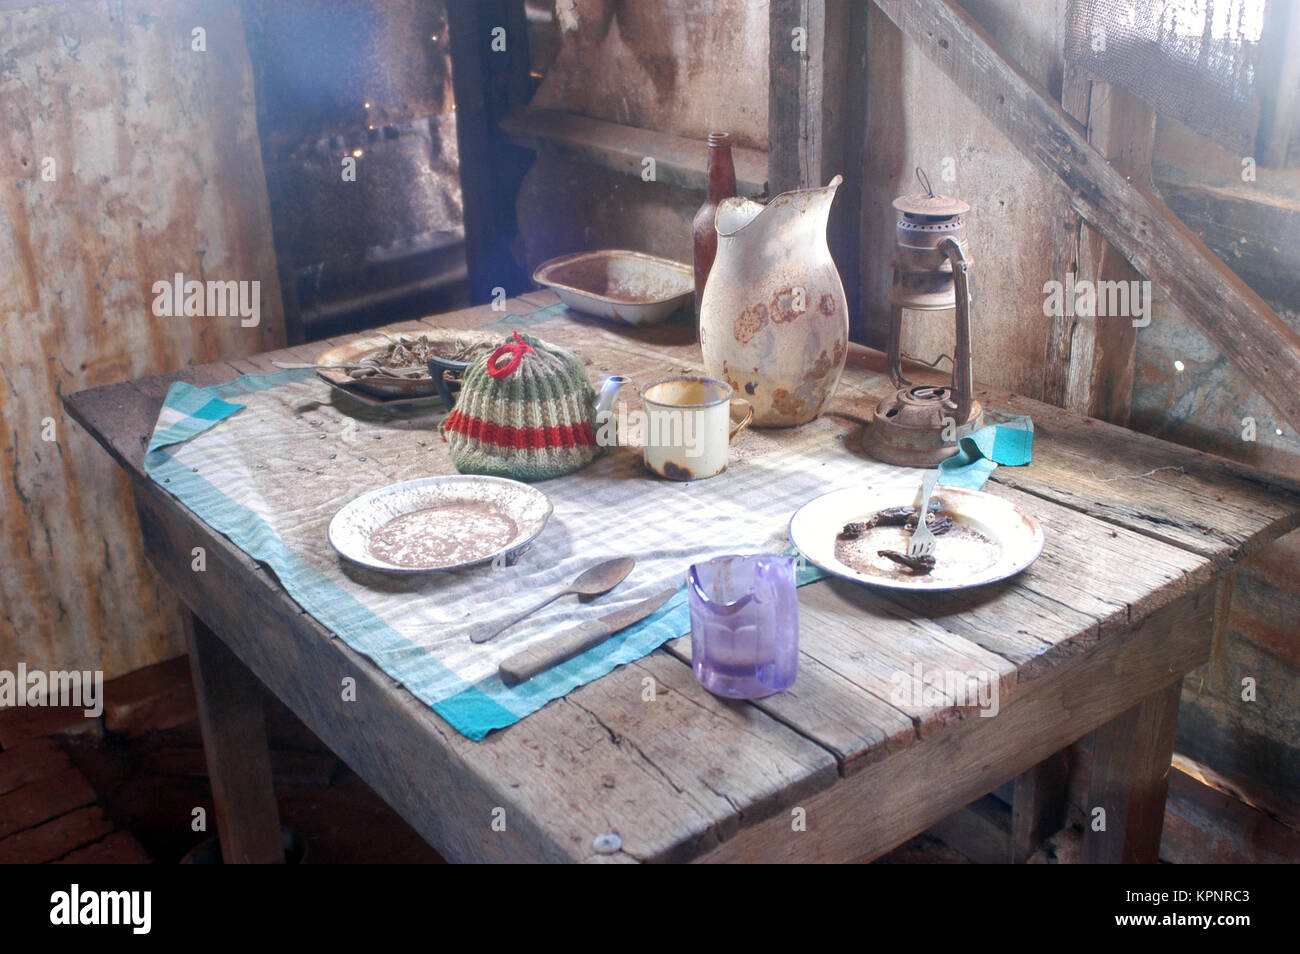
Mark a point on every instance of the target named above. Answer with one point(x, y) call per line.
point(774, 322)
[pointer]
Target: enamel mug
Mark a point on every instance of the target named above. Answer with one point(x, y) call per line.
point(689, 425)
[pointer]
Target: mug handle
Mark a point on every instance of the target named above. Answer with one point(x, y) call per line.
point(749, 416)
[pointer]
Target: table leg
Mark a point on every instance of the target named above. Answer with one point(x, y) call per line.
point(1131, 761)
point(234, 742)
point(1038, 804)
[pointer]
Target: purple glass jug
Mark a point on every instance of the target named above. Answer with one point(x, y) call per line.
point(744, 625)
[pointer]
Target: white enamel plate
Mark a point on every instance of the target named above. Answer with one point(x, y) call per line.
point(439, 523)
point(991, 539)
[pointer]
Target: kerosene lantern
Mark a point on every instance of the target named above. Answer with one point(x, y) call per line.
point(921, 424)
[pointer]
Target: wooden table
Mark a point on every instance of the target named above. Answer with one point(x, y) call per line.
point(1129, 595)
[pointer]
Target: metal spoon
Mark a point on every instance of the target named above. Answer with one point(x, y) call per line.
point(599, 579)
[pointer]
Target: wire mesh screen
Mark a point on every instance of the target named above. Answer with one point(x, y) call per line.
point(1193, 60)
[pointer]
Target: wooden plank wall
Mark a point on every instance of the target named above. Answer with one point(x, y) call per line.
point(1020, 224)
point(1253, 225)
point(676, 66)
point(157, 170)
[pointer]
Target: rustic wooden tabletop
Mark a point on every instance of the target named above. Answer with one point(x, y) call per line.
point(1096, 635)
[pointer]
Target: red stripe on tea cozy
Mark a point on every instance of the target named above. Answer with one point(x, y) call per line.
point(521, 438)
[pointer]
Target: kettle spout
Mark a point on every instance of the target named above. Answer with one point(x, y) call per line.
point(609, 389)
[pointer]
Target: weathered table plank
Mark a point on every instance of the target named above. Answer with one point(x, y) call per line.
point(869, 638)
point(1194, 500)
point(901, 796)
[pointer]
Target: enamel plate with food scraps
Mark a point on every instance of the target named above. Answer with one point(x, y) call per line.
point(862, 532)
point(394, 367)
point(439, 523)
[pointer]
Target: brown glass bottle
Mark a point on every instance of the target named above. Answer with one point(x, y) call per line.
point(721, 184)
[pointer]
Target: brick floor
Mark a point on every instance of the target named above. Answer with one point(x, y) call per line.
point(49, 811)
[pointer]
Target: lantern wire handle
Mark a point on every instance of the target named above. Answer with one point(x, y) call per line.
point(929, 364)
point(922, 178)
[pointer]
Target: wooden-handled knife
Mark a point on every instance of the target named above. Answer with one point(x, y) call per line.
point(528, 663)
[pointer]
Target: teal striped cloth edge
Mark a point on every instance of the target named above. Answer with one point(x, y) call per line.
point(1009, 441)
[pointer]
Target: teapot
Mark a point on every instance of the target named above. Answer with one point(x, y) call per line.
point(527, 411)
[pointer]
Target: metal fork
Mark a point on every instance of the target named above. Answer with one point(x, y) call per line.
point(922, 542)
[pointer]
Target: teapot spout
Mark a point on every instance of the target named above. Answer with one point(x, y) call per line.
point(609, 389)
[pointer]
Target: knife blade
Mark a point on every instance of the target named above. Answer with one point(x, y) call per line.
point(529, 662)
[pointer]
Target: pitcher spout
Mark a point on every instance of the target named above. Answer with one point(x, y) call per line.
point(812, 205)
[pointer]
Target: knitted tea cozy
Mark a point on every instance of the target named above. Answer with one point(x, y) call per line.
point(524, 411)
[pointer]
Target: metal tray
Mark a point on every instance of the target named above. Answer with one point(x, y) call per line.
point(631, 287)
point(388, 389)
point(439, 523)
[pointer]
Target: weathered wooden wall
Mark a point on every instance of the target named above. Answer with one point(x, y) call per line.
point(1254, 226)
point(1019, 224)
point(157, 170)
point(679, 67)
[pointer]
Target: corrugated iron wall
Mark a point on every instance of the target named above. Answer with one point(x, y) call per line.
point(128, 154)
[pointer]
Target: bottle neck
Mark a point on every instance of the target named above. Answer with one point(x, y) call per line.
point(721, 178)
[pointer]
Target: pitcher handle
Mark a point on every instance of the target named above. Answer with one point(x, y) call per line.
point(749, 416)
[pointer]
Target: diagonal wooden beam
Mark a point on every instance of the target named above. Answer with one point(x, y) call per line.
point(1157, 243)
